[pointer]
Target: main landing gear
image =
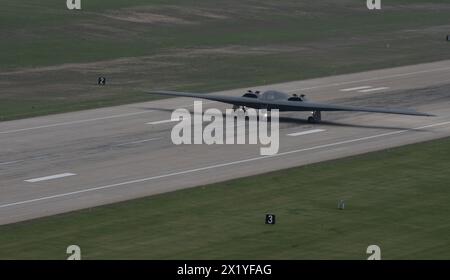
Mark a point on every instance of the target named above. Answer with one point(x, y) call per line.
point(236, 107)
point(316, 117)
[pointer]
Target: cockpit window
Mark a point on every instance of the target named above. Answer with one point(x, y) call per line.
point(275, 95)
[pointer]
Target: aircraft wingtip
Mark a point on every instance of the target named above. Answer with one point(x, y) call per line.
point(426, 114)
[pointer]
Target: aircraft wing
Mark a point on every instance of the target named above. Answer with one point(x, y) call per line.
point(239, 101)
point(285, 105)
point(312, 106)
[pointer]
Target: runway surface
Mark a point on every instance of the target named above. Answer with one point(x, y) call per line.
point(65, 162)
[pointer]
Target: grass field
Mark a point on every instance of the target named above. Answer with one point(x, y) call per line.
point(397, 199)
point(50, 57)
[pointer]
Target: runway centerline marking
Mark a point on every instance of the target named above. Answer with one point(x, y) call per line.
point(175, 120)
point(161, 122)
point(92, 189)
point(373, 89)
point(288, 91)
point(51, 177)
point(355, 88)
point(305, 132)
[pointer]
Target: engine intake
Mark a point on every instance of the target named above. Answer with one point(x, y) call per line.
point(250, 94)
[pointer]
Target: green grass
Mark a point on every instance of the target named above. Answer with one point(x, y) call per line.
point(300, 40)
point(398, 199)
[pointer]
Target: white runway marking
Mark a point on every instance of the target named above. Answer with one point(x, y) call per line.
point(10, 162)
point(220, 165)
point(373, 89)
point(22, 160)
point(85, 120)
point(371, 79)
point(355, 88)
point(74, 122)
point(51, 177)
point(161, 122)
point(138, 141)
point(173, 120)
point(306, 132)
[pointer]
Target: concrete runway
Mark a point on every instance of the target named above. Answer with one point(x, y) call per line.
point(65, 162)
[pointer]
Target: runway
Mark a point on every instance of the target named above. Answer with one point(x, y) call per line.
point(65, 162)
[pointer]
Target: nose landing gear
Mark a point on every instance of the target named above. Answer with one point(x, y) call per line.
point(316, 117)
